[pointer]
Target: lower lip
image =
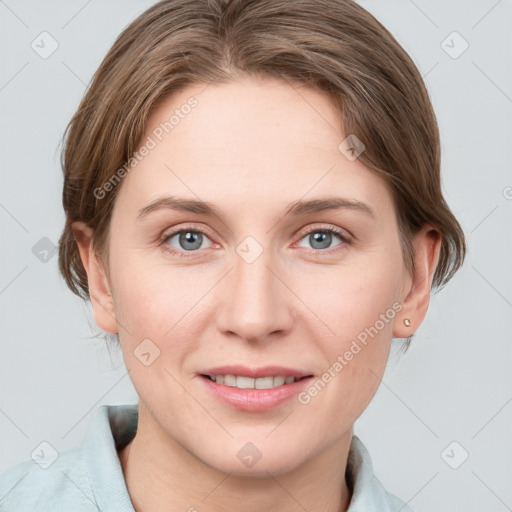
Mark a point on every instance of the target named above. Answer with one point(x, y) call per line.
point(255, 400)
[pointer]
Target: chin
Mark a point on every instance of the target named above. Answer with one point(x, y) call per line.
point(255, 460)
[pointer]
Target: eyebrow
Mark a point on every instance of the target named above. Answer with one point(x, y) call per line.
point(295, 208)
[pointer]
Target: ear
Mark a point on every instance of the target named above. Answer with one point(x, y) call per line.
point(99, 287)
point(416, 291)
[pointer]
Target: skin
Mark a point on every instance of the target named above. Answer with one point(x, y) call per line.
point(250, 148)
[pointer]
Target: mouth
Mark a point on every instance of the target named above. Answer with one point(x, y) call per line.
point(254, 389)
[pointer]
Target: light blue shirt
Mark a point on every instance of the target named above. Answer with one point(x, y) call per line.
point(90, 478)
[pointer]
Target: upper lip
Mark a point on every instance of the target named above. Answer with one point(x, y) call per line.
point(255, 373)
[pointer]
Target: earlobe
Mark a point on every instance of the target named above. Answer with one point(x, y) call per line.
point(99, 286)
point(416, 293)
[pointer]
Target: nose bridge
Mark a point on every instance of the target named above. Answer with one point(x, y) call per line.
point(255, 304)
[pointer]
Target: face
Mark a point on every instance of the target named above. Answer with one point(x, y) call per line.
point(262, 288)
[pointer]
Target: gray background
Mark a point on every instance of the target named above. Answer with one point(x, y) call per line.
point(454, 384)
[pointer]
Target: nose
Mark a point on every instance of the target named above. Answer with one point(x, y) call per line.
point(255, 300)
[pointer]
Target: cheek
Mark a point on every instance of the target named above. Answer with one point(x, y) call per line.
point(360, 310)
point(352, 298)
point(359, 305)
point(152, 296)
point(162, 304)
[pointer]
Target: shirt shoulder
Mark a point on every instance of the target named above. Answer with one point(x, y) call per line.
point(88, 478)
point(368, 493)
point(60, 486)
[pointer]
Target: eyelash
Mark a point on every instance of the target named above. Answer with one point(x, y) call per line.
point(324, 229)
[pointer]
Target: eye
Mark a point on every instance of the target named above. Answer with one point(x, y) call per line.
point(186, 240)
point(321, 238)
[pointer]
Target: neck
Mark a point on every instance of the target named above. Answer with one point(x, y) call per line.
point(161, 475)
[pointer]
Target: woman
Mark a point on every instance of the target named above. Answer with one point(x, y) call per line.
point(254, 208)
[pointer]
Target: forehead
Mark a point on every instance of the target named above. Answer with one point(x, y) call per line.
point(248, 143)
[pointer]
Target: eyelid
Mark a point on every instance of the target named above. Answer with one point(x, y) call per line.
point(342, 233)
point(185, 227)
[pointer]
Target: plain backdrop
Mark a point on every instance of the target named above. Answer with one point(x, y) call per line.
point(438, 429)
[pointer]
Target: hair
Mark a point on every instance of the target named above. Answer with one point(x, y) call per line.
point(334, 46)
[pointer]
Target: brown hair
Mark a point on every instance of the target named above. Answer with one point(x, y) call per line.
point(332, 45)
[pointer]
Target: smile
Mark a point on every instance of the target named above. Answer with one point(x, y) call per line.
point(254, 390)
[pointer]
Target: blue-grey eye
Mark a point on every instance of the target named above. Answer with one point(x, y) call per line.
point(322, 238)
point(188, 240)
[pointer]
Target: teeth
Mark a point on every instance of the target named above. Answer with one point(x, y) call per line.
point(245, 383)
point(250, 383)
point(264, 383)
point(229, 380)
point(279, 381)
